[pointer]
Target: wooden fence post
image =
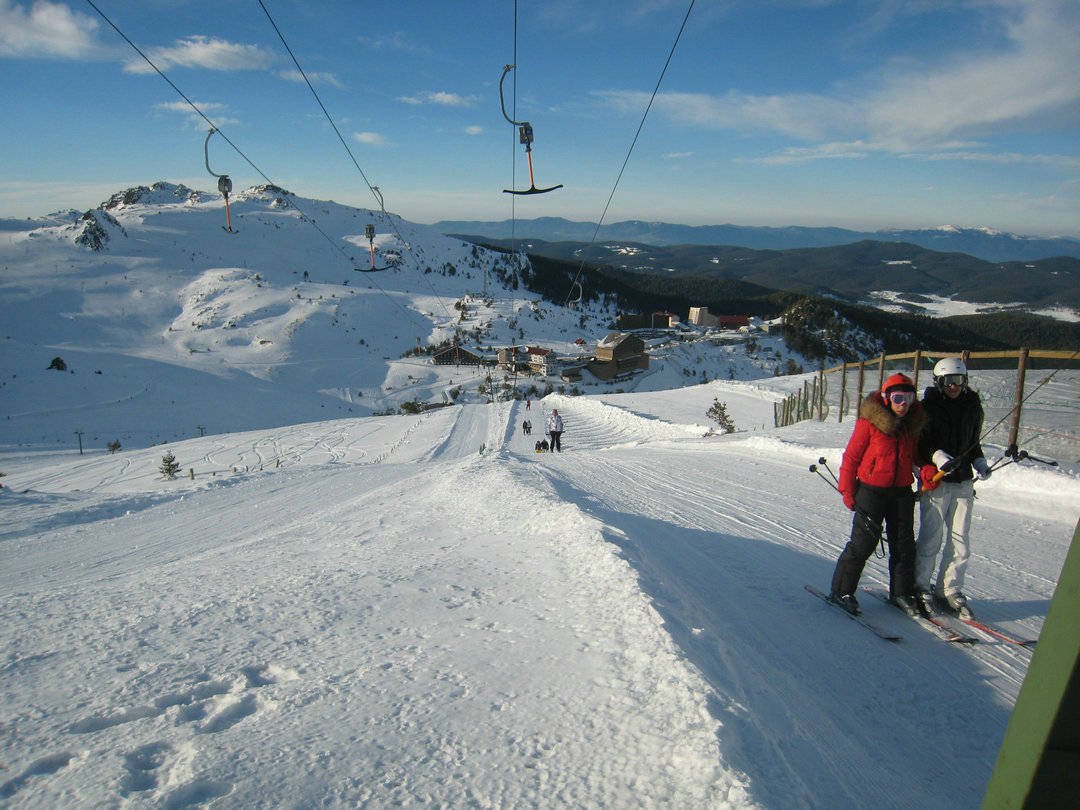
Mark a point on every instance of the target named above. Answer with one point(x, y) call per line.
point(918, 364)
point(862, 372)
point(821, 395)
point(881, 372)
point(1021, 373)
point(843, 392)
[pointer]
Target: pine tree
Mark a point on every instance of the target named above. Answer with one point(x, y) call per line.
point(718, 412)
point(169, 468)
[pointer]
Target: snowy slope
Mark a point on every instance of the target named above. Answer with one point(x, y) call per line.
point(373, 612)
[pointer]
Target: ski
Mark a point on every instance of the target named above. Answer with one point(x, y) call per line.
point(1008, 638)
point(987, 628)
point(873, 628)
point(932, 623)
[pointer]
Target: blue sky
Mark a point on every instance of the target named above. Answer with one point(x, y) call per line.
point(852, 113)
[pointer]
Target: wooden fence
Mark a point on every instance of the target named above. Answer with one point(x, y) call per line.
point(816, 401)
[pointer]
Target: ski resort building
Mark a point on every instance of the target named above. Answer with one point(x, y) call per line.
point(456, 356)
point(528, 359)
point(700, 316)
point(619, 353)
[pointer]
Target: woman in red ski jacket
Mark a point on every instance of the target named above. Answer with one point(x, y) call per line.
point(875, 481)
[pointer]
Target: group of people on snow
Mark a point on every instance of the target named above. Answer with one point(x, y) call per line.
point(896, 440)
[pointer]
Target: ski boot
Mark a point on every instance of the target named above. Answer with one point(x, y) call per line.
point(847, 602)
point(904, 603)
point(958, 604)
point(925, 602)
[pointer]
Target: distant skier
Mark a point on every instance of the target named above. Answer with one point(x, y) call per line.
point(528, 404)
point(952, 442)
point(555, 430)
point(875, 480)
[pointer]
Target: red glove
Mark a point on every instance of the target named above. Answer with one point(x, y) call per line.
point(926, 475)
point(849, 500)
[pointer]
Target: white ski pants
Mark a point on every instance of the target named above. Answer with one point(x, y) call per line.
point(944, 515)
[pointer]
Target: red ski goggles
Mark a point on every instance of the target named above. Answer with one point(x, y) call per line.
point(902, 397)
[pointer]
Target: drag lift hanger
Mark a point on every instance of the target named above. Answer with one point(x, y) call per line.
point(224, 184)
point(572, 302)
point(525, 136)
point(369, 232)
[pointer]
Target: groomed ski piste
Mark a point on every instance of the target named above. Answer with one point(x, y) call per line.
point(372, 612)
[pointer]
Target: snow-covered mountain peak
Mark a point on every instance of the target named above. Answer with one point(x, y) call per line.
point(159, 193)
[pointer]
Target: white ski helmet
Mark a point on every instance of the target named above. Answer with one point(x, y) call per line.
point(949, 367)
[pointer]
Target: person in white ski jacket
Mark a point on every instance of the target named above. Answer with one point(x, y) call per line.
point(555, 429)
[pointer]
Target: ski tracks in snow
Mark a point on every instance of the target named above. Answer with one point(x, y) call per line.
point(622, 624)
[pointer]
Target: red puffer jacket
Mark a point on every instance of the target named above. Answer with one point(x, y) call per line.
point(882, 447)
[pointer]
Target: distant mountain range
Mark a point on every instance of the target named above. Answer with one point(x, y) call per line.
point(984, 243)
point(852, 271)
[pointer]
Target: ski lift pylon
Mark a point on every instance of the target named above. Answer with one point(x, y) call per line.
point(525, 136)
point(224, 184)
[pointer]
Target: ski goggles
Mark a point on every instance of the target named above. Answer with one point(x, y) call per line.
point(902, 397)
point(950, 380)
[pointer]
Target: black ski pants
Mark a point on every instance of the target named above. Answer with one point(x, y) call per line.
point(556, 440)
point(896, 506)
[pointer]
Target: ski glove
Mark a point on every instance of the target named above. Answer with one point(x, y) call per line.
point(849, 500)
point(941, 460)
point(982, 469)
point(926, 476)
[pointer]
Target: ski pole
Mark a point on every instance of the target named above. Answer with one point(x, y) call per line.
point(870, 525)
point(814, 469)
point(824, 462)
point(1024, 454)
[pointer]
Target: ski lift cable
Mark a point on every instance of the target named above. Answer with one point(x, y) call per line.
point(374, 189)
point(633, 143)
point(304, 216)
point(513, 147)
point(318, 100)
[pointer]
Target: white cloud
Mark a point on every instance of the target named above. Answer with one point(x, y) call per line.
point(193, 120)
point(984, 91)
point(313, 77)
point(827, 151)
point(804, 116)
point(474, 130)
point(46, 30)
point(935, 111)
point(184, 107)
point(369, 138)
point(204, 52)
point(677, 155)
point(1068, 162)
point(439, 98)
point(394, 42)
